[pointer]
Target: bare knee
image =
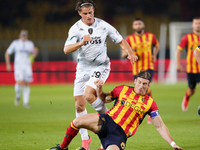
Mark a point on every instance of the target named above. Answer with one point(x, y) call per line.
point(89, 97)
point(112, 147)
point(80, 104)
point(191, 91)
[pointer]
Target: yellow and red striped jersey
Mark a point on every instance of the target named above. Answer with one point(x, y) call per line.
point(190, 40)
point(130, 108)
point(142, 47)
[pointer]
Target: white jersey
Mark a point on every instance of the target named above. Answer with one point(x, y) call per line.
point(22, 51)
point(93, 53)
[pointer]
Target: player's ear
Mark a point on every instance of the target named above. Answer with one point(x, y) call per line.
point(135, 80)
point(79, 12)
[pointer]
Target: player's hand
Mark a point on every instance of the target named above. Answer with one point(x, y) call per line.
point(86, 38)
point(8, 67)
point(176, 147)
point(179, 68)
point(154, 58)
point(133, 58)
point(99, 83)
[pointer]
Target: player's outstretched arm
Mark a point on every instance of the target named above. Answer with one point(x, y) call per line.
point(126, 47)
point(73, 47)
point(164, 132)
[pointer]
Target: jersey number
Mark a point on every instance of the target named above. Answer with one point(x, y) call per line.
point(96, 74)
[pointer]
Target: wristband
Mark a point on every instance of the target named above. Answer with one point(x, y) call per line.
point(198, 48)
point(172, 143)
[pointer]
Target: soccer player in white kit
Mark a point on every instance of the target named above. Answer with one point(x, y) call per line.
point(22, 48)
point(88, 36)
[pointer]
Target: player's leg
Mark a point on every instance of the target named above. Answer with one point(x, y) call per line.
point(93, 100)
point(80, 105)
point(28, 77)
point(112, 147)
point(88, 121)
point(189, 92)
point(18, 88)
point(18, 85)
point(26, 95)
point(90, 89)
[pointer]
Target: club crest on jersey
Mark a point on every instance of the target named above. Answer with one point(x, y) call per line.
point(143, 100)
point(90, 30)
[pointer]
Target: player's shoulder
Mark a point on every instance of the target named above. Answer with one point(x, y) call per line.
point(149, 33)
point(77, 25)
point(16, 41)
point(101, 22)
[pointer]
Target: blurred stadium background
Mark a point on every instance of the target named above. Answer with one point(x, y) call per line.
point(48, 22)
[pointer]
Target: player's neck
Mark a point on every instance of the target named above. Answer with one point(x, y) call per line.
point(139, 34)
point(196, 32)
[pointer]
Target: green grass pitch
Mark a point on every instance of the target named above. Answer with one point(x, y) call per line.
point(52, 110)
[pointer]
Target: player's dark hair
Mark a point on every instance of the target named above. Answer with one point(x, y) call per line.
point(138, 19)
point(197, 17)
point(144, 75)
point(85, 3)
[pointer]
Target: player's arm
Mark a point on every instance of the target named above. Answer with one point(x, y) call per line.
point(105, 97)
point(126, 47)
point(178, 60)
point(73, 47)
point(197, 54)
point(155, 52)
point(164, 132)
point(124, 54)
point(8, 64)
point(35, 52)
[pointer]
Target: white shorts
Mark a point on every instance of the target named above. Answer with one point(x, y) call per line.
point(23, 73)
point(88, 77)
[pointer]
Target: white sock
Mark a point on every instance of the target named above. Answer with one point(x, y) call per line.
point(26, 94)
point(17, 91)
point(99, 106)
point(82, 131)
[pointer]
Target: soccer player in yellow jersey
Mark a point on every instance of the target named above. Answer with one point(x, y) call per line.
point(191, 41)
point(197, 56)
point(142, 43)
point(121, 122)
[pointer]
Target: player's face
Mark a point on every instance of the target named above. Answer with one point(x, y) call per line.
point(141, 86)
point(138, 26)
point(87, 14)
point(196, 25)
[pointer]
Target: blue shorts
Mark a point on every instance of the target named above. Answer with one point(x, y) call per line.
point(193, 79)
point(111, 133)
point(149, 71)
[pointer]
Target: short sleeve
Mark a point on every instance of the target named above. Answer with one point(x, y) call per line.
point(72, 37)
point(113, 34)
point(183, 42)
point(11, 48)
point(116, 91)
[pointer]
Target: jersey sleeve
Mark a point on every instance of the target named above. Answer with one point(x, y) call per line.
point(11, 48)
point(113, 34)
point(154, 110)
point(72, 36)
point(155, 41)
point(116, 92)
point(183, 42)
